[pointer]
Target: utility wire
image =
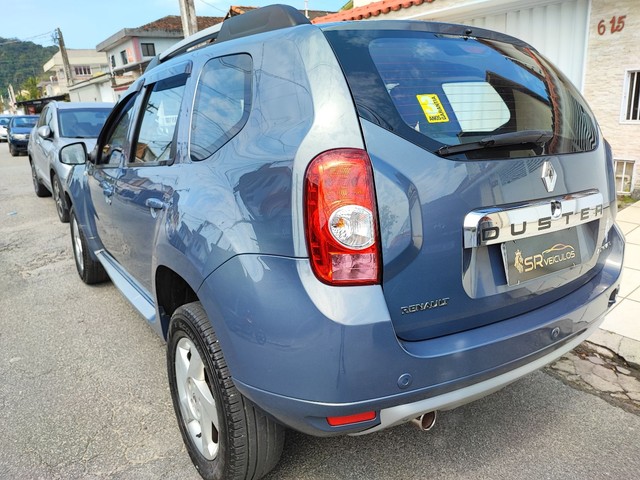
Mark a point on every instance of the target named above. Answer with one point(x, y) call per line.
point(17, 40)
point(213, 6)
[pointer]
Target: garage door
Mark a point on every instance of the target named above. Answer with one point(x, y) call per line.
point(557, 29)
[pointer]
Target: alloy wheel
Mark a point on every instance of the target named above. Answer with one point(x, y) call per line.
point(34, 177)
point(57, 196)
point(77, 245)
point(197, 403)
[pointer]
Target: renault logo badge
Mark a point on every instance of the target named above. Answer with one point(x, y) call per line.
point(549, 176)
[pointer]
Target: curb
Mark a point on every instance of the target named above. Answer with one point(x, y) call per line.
point(625, 347)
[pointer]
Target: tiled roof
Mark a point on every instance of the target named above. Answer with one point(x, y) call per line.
point(172, 23)
point(372, 10)
point(237, 10)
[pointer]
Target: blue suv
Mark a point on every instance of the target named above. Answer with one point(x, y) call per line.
point(341, 228)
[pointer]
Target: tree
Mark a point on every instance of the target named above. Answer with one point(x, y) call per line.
point(30, 86)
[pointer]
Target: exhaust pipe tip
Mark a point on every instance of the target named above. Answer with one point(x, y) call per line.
point(426, 421)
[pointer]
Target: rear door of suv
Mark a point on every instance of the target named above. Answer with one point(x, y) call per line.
point(492, 183)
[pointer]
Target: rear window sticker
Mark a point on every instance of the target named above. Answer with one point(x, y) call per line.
point(432, 108)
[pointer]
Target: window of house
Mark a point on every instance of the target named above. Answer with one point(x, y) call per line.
point(160, 117)
point(82, 70)
point(148, 49)
point(123, 57)
point(113, 61)
point(631, 99)
point(222, 104)
point(624, 176)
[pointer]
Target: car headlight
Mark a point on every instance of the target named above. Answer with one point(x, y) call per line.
point(20, 136)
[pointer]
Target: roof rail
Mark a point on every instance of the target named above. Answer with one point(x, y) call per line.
point(265, 19)
point(209, 34)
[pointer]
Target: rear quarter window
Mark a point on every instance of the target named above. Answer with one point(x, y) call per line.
point(222, 103)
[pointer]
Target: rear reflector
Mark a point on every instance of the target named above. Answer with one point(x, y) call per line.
point(341, 218)
point(349, 419)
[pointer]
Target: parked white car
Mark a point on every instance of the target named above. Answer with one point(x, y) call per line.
point(4, 121)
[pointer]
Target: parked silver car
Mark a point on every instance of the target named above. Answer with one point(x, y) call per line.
point(61, 123)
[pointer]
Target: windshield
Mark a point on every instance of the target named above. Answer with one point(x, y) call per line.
point(442, 90)
point(82, 123)
point(24, 122)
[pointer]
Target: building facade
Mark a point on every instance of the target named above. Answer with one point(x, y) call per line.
point(594, 42)
point(130, 50)
point(83, 64)
point(612, 83)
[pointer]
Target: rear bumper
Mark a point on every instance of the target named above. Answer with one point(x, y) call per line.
point(19, 145)
point(399, 414)
point(304, 352)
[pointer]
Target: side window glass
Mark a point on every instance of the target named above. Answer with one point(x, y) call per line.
point(160, 116)
point(222, 104)
point(49, 117)
point(113, 148)
point(43, 117)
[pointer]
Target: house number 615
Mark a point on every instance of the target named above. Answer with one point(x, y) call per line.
point(617, 24)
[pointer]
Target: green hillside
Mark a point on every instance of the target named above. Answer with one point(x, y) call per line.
point(21, 60)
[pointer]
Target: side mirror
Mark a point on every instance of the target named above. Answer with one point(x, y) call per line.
point(73, 154)
point(44, 131)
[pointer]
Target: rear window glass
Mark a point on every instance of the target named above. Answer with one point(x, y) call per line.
point(24, 122)
point(82, 123)
point(445, 90)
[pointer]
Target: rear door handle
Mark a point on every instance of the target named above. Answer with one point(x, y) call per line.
point(154, 205)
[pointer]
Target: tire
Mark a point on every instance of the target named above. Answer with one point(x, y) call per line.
point(61, 202)
point(90, 270)
point(12, 151)
point(226, 435)
point(41, 190)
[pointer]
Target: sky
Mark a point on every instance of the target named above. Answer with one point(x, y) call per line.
point(85, 23)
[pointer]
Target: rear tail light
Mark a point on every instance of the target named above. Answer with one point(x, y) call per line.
point(341, 218)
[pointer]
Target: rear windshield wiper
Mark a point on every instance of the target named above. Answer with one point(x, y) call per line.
point(524, 138)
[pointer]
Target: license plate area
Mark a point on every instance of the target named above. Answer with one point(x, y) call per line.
point(532, 257)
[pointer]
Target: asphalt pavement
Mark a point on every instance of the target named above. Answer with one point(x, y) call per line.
point(83, 391)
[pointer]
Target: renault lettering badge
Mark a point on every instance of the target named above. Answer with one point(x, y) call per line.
point(549, 176)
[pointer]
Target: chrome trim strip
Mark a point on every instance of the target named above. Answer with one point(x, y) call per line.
point(399, 414)
point(498, 225)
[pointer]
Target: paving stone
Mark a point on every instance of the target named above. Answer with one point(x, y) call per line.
point(629, 349)
point(600, 384)
point(602, 351)
point(630, 384)
point(634, 396)
point(584, 368)
point(565, 365)
point(595, 360)
point(620, 396)
point(605, 373)
point(623, 370)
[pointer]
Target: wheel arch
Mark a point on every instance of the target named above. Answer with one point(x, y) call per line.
point(172, 291)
